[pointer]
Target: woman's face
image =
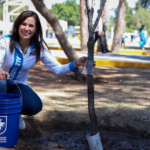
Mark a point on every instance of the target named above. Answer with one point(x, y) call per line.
point(27, 28)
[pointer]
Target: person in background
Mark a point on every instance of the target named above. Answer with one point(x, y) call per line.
point(51, 33)
point(99, 34)
point(132, 37)
point(123, 39)
point(19, 52)
point(105, 40)
point(143, 36)
point(140, 31)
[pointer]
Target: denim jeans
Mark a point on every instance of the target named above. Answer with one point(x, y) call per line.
point(144, 41)
point(32, 104)
point(3, 85)
point(101, 37)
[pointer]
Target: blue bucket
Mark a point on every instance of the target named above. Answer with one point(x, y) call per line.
point(9, 99)
point(10, 108)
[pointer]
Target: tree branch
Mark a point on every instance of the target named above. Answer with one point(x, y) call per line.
point(87, 5)
point(90, 81)
point(52, 20)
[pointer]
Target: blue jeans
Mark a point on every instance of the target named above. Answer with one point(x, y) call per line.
point(144, 40)
point(101, 37)
point(32, 104)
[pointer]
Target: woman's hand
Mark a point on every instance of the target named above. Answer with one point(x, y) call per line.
point(4, 74)
point(99, 33)
point(81, 62)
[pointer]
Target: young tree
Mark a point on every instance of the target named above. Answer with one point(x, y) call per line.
point(119, 27)
point(54, 23)
point(92, 114)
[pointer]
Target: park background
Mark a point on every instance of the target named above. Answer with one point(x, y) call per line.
point(135, 16)
point(121, 97)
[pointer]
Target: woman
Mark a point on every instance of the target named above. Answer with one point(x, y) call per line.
point(143, 36)
point(19, 53)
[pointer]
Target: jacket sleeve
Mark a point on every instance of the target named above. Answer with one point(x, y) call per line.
point(54, 65)
point(2, 50)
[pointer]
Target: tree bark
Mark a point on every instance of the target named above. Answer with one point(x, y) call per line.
point(105, 18)
point(83, 25)
point(52, 20)
point(90, 82)
point(119, 27)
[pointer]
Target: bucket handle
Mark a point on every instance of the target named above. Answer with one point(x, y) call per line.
point(18, 89)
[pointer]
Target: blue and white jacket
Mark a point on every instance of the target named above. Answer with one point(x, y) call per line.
point(143, 34)
point(18, 64)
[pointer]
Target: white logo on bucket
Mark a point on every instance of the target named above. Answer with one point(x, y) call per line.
point(3, 124)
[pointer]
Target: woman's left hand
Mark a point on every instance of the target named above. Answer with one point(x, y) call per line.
point(81, 62)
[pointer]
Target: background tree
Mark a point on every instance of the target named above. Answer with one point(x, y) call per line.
point(128, 19)
point(138, 5)
point(144, 3)
point(141, 17)
point(119, 27)
point(1, 9)
point(135, 17)
point(83, 25)
point(68, 11)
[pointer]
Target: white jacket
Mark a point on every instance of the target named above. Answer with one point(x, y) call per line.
point(18, 64)
point(100, 25)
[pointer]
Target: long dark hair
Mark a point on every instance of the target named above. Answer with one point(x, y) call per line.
point(37, 38)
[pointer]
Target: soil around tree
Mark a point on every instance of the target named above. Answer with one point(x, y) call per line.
point(121, 102)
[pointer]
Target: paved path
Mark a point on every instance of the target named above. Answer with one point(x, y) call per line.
point(109, 59)
point(128, 58)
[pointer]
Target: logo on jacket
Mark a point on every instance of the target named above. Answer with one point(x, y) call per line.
point(33, 52)
point(3, 124)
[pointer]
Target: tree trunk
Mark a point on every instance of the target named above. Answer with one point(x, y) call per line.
point(51, 19)
point(119, 27)
point(105, 18)
point(90, 82)
point(83, 25)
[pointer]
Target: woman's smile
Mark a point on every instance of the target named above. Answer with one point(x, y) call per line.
point(27, 28)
